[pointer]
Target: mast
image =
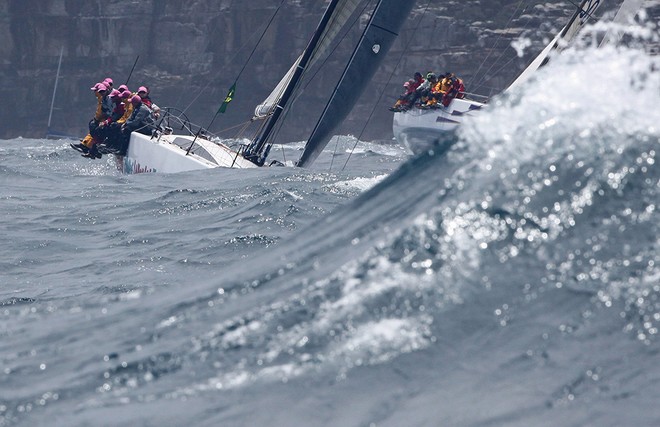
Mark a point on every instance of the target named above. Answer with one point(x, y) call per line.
point(379, 35)
point(255, 151)
point(52, 102)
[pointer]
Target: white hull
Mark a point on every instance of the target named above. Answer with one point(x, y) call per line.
point(167, 154)
point(420, 130)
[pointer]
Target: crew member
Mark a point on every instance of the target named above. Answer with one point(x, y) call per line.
point(103, 111)
point(140, 121)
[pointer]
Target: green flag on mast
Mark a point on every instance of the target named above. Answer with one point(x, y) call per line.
point(228, 98)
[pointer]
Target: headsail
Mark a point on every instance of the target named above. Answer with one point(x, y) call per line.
point(265, 108)
point(583, 13)
point(342, 13)
point(625, 14)
point(377, 38)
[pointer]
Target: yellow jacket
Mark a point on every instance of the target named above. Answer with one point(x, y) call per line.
point(99, 107)
point(438, 87)
point(128, 110)
point(445, 85)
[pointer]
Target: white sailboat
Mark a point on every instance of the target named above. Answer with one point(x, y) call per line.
point(420, 130)
point(166, 152)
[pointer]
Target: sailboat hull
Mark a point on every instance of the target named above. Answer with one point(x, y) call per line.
point(168, 154)
point(421, 130)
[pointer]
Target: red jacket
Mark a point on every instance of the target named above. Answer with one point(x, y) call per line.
point(418, 83)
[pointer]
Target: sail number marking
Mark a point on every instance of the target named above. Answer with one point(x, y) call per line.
point(591, 7)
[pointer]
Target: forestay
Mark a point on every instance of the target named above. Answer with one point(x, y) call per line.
point(581, 16)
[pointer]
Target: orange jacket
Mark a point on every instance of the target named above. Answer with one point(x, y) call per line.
point(445, 85)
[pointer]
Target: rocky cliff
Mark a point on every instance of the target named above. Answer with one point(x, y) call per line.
point(191, 51)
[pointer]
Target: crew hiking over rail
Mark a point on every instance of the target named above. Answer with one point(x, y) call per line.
point(118, 113)
point(430, 92)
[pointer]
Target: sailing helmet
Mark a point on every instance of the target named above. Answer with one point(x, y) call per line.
point(136, 100)
point(95, 87)
point(115, 93)
point(143, 89)
point(123, 88)
point(101, 87)
point(126, 95)
point(430, 76)
point(108, 81)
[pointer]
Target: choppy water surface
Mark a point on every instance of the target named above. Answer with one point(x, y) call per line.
point(512, 279)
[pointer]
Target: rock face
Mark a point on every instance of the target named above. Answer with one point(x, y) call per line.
point(190, 52)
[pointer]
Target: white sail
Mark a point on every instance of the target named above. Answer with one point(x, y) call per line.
point(264, 109)
point(343, 12)
point(536, 63)
point(579, 19)
point(625, 15)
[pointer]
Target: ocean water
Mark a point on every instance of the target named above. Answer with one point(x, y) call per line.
point(510, 278)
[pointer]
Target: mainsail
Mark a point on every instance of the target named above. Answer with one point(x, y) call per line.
point(377, 38)
point(583, 13)
point(336, 16)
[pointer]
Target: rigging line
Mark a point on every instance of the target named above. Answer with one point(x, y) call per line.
point(260, 39)
point(234, 57)
point(483, 78)
point(403, 52)
point(318, 69)
point(283, 153)
point(230, 94)
point(131, 73)
point(57, 77)
point(247, 122)
point(579, 7)
point(327, 58)
point(574, 4)
point(260, 147)
point(498, 71)
point(496, 42)
point(309, 81)
point(239, 134)
point(242, 131)
point(513, 58)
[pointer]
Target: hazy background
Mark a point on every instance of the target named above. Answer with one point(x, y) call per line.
point(190, 53)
